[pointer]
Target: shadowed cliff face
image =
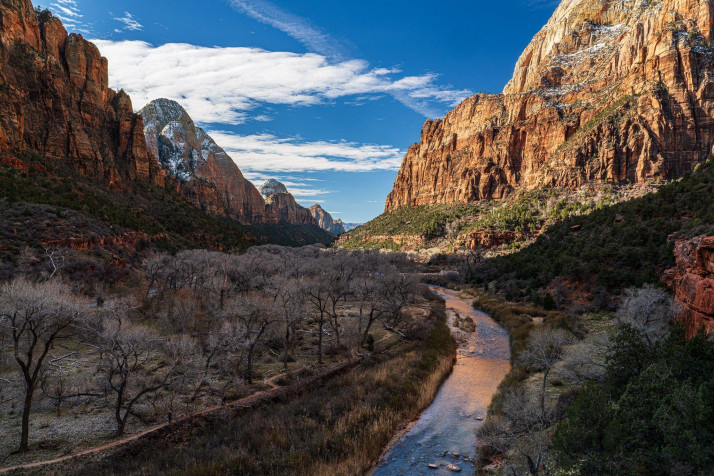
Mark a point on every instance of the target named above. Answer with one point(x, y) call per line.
point(281, 206)
point(55, 101)
point(693, 283)
point(325, 220)
point(605, 92)
point(205, 174)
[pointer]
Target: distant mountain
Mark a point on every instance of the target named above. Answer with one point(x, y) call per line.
point(281, 207)
point(351, 226)
point(205, 174)
point(325, 221)
point(70, 143)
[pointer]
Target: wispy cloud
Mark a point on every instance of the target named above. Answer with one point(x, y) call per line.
point(130, 23)
point(263, 154)
point(69, 13)
point(221, 84)
point(428, 101)
point(293, 25)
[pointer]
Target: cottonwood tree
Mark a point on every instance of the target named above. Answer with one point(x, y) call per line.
point(291, 307)
point(256, 316)
point(138, 362)
point(317, 296)
point(523, 425)
point(367, 289)
point(648, 309)
point(398, 291)
point(35, 316)
point(546, 346)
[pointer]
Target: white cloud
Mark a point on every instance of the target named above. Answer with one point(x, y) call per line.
point(420, 100)
point(261, 155)
point(220, 84)
point(294, 26)
point(69, 14)
point(130, 23)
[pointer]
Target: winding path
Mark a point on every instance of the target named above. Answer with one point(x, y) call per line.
point(448, 426)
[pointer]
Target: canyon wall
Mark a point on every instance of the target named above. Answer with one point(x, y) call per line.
point(203, 172)
point(55, 101)
point(325, 220)
point(281, 206)
point(692, 281)
point(606, 92)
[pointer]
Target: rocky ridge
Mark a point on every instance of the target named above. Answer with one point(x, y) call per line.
point(325, 220)
point(281, 207)
point(204, 173)
point(692, 281)
point(607, 91)
point(55, 102)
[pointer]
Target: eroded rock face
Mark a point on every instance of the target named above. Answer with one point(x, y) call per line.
point(281, 207)
point(207, 176)
point(605, 92)
point(325, 221)
point(55, 101)
point(692, 281)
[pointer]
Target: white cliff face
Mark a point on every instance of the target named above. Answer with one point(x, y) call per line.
point(272, 187)
point(207, 175)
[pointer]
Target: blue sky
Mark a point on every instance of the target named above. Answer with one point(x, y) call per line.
point(323, 95)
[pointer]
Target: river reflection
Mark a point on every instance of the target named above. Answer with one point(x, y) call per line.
point(449, 424)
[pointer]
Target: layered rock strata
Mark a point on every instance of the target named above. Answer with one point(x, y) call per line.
point(607, 91)
point(204, 172)
point(692, 281)
point(281, 206)
point(325, 220)
point(55, 102)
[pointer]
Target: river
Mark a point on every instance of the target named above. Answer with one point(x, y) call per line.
point(449, 424)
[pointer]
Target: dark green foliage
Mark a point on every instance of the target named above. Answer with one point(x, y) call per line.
point(163, 214)
point(654, 415)
point(618, 246)
point(581, 436)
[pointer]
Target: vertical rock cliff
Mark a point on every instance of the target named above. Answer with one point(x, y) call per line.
point(607, 91)
point(692, 281)
point(281, 207)
point(325, 220)
point(55, 101)
point(205, 174)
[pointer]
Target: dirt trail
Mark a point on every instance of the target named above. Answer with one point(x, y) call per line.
point(246, 401)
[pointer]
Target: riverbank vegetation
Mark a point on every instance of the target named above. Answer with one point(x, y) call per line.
point(184, 332)
point(340, 427)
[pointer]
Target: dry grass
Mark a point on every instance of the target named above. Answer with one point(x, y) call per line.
point(339, 427)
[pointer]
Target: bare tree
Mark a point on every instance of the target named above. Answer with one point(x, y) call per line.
point(317, 296)
point(648, 309)
point(255, 315)
point(138, 362)
point(398, 291)
point(290, 304)
point(522, 426)
point(546, 346)
point(56, 258)
point(367, 290)
point(35, 316)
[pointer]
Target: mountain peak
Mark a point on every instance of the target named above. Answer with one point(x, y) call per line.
point(272, 187)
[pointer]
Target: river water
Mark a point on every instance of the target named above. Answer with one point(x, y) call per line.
point(450, 422)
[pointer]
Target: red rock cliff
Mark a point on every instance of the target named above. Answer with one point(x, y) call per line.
point(55, 101)
point(693, 282)
point(204, 172)
point(281, 206)
point(605, 92)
